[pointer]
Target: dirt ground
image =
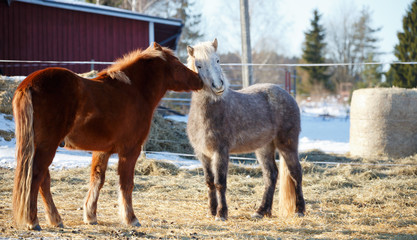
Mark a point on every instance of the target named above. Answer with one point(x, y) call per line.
point(343, 202)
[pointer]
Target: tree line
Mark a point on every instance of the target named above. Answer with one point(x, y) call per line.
point(355, 43)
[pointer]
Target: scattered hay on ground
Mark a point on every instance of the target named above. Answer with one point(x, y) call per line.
point(343, 202)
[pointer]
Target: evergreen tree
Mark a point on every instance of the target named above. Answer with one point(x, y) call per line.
point(406, 51)
point(313, 52)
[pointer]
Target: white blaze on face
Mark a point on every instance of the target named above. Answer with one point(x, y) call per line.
point(204, 60)
point(209, 70)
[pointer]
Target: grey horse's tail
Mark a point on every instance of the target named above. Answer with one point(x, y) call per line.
point(287, 196)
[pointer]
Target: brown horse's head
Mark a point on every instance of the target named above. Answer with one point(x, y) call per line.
point(178, 76)
point(158, 63)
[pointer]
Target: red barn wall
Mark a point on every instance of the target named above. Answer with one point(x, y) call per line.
point(35, 32)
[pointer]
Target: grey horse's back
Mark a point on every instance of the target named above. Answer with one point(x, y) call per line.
point(283, 106)
point(261, 112)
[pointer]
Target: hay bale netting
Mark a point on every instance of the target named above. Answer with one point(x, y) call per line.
point(383, 122)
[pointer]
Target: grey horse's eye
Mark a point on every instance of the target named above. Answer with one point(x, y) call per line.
point(198, 66)
point(218, 60)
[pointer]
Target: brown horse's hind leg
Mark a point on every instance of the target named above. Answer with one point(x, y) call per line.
point(126, 170)
point(97, 177)
point(52, 214)
point(208, 174)
point(266, 158)
point(220, 166)
point(42, 159)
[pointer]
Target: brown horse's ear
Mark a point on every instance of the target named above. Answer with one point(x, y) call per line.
point(157, 46)
point(190, 51)
point(215, 44)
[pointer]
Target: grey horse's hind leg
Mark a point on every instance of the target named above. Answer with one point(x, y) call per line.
point(208, 174)
point(266, 158)
point(294, 167)
point(288, 149)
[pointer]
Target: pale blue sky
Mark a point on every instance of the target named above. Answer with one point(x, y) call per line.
point(285, 31)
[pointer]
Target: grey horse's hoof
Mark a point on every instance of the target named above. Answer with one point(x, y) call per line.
point(220, 219)
point(299, 214)
point(257, 216)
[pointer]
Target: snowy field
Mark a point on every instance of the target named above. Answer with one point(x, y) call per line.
point(325, 127)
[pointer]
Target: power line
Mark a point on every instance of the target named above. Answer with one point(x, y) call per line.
point(316, 64)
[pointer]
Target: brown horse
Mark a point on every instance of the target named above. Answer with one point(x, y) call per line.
point(109, 114)
point(260, 119)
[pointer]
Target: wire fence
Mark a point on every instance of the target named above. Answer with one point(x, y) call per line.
point(254, 160)
point(185, 101)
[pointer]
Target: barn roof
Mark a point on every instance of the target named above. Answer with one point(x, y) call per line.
point(101, 9)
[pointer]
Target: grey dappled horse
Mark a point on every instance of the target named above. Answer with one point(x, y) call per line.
point(260, 119)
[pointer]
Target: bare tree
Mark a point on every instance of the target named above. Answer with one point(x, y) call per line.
point(351, 40)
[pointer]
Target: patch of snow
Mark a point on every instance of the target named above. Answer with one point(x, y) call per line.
point(325, 127)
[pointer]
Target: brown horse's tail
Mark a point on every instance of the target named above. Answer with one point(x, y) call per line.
point(287, 196)
point(25, 149)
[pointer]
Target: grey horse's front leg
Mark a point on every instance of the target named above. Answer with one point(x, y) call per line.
point(220, 164)
point(209, 176)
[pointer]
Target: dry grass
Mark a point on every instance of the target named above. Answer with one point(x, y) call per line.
point(343, 202)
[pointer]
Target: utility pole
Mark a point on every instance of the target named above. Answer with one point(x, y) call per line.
point(246, 47)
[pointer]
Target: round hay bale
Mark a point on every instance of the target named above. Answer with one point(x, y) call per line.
point(383, 123)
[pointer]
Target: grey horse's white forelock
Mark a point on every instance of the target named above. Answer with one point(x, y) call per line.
point(203, 50)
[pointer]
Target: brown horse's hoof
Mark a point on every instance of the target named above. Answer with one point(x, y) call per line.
point(60, 225)
point(35, 227)
point(257, 216)
point(135, 223)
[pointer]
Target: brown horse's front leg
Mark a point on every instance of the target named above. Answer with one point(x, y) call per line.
point(126, 170)
point(220, 166)
point(208, 174)
point(97, 177)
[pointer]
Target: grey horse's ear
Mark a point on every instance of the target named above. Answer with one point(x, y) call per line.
point(190, 51)
point(215, 44)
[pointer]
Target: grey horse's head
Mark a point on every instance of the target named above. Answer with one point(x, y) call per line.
point(203, 59)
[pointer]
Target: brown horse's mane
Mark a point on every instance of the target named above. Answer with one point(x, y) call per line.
point(115, 71)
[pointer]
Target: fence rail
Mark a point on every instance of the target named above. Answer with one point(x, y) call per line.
point(225, 64)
